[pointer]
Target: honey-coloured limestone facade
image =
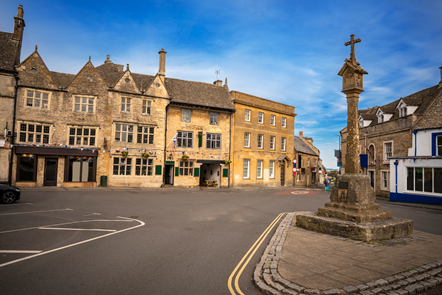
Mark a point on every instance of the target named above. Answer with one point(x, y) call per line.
point(309, 170)
point(262, 142)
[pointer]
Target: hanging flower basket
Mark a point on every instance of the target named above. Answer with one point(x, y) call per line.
point(185, 157)
point(145, 155)
point(125, 154)
point(227, 162)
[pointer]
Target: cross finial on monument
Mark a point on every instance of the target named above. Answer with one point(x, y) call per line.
point(352, 43)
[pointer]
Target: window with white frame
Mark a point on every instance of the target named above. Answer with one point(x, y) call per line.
point(213, 141)
point(259, 169)
point(284, 122)
point(388, 149)
point(37, 99)
point(403, 112)
point(34, 133)
point(380, 118)
point(186, 115)
point(385, 180)
point(260, 141)
point(145, 134)
point(84, 104)
point(272, 169)
point(122, 166)
point(247, 139)
point(247, 115)
point(283, 142)
point(125, 104)
point(143, 167)
point(185, 139)
point(246, 166)
point(272, 120)
point(272, 143)
point(124, 133)
point(146, 107)
point(214, 118)
point(186, 168)
point(261, 118)
point(424, 179)
point(82, 136)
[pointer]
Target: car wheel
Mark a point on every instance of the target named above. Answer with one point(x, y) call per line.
point(8, 197)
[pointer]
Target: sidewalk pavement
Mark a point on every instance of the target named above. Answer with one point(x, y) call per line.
point(299, 261)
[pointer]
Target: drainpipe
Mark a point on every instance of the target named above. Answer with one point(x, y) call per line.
point(230, 149)
point(165, 147)
point(395, 168)
point(13, 130)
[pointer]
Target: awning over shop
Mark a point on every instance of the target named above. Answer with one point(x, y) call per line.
point(210, 161)
point(55, 151)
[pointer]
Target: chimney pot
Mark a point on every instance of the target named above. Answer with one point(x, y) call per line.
point(218, 83)
point(301, 134)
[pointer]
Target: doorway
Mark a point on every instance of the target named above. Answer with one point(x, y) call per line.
point(371, 173)
point(210, 175)
point(282, 174)
point(50, 175)
point(168, 174)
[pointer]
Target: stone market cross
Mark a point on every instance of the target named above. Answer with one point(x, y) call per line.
point(352, 42)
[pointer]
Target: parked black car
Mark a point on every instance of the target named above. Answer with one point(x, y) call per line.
point(9, 194)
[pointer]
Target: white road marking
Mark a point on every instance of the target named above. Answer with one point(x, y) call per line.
point(36, 227)
point(300, 192)
point(92, 214)
point(79, 243)
point(65, 228)
point(19, 251)
point(29, 212)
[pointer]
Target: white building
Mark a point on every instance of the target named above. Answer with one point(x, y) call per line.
point(417, 178)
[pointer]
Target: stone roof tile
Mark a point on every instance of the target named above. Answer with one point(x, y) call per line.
point(302, 147)
point(9, 48)
point(61, 79)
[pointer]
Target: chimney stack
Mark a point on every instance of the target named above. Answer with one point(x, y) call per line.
point(162, 69)
point(301, 134)
point(218, 83)
point(19, 24)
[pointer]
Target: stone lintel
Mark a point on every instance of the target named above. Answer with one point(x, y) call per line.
point(367, 231)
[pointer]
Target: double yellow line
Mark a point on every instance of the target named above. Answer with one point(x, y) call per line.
point(234, 289)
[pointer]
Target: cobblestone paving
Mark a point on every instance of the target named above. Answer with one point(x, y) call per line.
point(415, 281)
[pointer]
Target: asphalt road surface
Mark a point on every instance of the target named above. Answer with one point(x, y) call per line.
point(169, 241)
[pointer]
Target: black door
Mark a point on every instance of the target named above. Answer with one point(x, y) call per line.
point(168, 174)
point(51, 165)
point(282, 174)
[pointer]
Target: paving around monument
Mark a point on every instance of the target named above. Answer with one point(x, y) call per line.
point(350, 246)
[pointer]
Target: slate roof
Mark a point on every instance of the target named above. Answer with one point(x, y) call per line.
point(199, 94)
point(9, 50)
point(422, 99)
point(180, 91)
point(302, 147)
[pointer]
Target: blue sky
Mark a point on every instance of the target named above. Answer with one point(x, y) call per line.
point(287, 51)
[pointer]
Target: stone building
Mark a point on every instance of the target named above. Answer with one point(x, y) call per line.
point(387, 131)
point(198, 134)
point(105, 121)
point(308, 164)
point(262, 142)
point(10, 49)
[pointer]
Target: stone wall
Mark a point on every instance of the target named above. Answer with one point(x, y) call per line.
point(305, 178)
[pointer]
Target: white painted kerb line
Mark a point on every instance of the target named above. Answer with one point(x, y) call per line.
point(30, 212)
point(75, 244)
point(19, 251)
point(87, 229)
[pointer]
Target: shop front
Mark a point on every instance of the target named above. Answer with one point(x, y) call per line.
point(53, 166)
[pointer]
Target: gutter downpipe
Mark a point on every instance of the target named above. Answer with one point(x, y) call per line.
point(165, 147)
point(13, 130)
point(396, 163)
point(230, 150)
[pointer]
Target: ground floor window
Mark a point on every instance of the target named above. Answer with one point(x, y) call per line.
point(424, 179)
point(272, 169)
point(26, 167)
point(259, 169)
point(246, 169)
point(186, 168)
point(385, 180)
point(122, 166)
point(143, 167)
point(80, 169)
